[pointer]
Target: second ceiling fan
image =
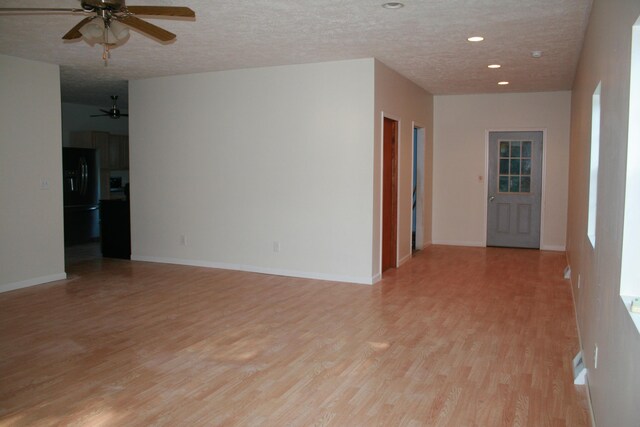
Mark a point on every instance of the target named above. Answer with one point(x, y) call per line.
point(114, 112)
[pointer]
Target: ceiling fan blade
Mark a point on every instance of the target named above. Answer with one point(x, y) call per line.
point(147, 28)
point(74, 33)
point(107, 112)
point(124, 115)
point(162, 11)
point(99, 115)
point(39, 9)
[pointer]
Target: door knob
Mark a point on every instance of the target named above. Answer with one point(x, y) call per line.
point(491, 198)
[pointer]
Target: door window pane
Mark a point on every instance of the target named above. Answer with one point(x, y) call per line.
point(504, 184)
point(504, 148)
point(515, 166)
point(504, 166)
point(514, 184)
point(515, 149)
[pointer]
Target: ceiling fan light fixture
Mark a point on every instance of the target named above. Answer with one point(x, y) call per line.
point(93, 31)
point(118, 30)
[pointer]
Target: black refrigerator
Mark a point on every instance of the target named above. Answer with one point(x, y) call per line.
point(81, 180)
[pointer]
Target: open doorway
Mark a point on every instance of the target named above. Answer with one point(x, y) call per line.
point(96, 174)
point(417, 198)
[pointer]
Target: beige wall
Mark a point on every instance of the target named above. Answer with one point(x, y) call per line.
point(281, 155)
point(239, 160)
point(602, 317)
point(398, 98)
point(31, 226)
point(460, 161)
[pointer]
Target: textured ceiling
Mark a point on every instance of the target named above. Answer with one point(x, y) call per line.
point(425, 41)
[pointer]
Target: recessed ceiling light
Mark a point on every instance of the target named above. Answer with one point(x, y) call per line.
point(536, 53)
point(503, 83)
point(475, 39)
point(494, 66)
point(393, 5)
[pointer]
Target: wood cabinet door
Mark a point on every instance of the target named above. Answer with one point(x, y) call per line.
point(81, 140)
point(101, 143)
point(118, 152)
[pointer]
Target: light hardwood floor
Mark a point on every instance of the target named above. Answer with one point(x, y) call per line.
point(456, 337)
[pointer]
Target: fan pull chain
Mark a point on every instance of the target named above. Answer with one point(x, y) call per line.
point(106, 54)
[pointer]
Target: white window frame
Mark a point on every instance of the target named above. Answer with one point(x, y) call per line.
point(629, 271)
point(594, 164)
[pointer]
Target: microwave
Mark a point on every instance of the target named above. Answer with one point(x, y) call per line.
point(115, 183)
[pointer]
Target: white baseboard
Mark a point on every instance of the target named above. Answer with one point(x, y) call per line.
point(32, 282)
point(404, 259)
point(555, 248)
point(586, 385)
point(459, 243)
point(255, 269)
point(589, 403)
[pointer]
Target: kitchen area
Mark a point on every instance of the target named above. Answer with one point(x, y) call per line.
point(96, 186)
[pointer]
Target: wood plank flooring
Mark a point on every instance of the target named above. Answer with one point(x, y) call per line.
point(456, 337)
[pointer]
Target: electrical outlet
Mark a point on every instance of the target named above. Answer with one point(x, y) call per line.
point(595, 357)
point(276, 247)
point(183, 240)
point(44, 184)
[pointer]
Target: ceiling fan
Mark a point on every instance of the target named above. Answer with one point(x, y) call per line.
point(107, 21)
point(114, 112)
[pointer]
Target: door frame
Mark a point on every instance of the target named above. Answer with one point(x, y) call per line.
point(542, 184)
point(385, 115)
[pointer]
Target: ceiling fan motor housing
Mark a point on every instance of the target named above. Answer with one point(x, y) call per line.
point(114, 5)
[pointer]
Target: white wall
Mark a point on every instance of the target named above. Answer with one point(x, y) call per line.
point(31, 226)
point(398, 98)
point(602, 318)
point(76, 118)
point(459, 183)
point(238, 160)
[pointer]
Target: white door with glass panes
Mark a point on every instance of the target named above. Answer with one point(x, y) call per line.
point(515, 189)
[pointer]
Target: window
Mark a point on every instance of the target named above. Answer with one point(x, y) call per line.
point(630, 273)
point(593, 174)
point(514, 167)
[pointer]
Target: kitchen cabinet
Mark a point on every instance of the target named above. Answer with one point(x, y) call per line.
point(93, 139)
point(113, 152)
point(118, 152)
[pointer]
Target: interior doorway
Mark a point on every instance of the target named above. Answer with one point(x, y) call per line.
point(417, 198)
point(389, 194)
